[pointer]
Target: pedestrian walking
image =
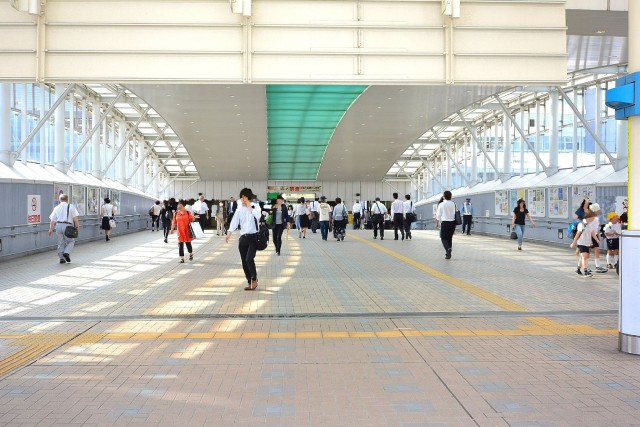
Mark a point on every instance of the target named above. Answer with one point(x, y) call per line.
point(324, 216)
point(378, 211)
point(357, 215)
point(279, 222)
point(61, 217)
point(220, 220)
point(446, 217)
point(340, 218)
point(467, 216)
point(247, 219)
point(397, 215)
point(180, 224)
point(107, 212)
point(520, 213)
point(409, 215)
point(155, 215)
point(166, 217)
point(201, 211)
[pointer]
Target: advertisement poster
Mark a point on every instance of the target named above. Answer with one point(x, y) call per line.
point(579, 192)
point(78, 199)
point(558, 202)
point(33, 209)
point(104, 192)
point(115, 200)
point(59, 189)
point(536, 202)
point(514, 196)
point(92, 201)
point(502, 202)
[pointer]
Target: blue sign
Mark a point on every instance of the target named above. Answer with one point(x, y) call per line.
point(625, 97)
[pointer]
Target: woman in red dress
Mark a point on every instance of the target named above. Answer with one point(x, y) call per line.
point(180, 222)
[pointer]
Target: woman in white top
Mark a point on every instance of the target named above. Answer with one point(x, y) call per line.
point(446, 217)
point(107, 212)
point(62, 216)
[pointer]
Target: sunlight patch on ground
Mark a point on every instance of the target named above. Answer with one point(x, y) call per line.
point(181, 307)
point(192, 351)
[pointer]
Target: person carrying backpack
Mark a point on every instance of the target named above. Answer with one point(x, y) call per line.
point(340, 215)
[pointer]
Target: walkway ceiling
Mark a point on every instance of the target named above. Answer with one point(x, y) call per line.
point(225, 128)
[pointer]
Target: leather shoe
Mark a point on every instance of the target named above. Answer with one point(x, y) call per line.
point(67, 257)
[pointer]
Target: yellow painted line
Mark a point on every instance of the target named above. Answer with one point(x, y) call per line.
point(332, 334)
point(22, 357)
point(461, 284)
point(201, 335)
point(308, 334)
point(254, 335)
point(282, 335)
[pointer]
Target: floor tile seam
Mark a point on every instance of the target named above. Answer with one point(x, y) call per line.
point(479, 292)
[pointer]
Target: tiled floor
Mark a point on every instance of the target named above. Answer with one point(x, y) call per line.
point(357, 333)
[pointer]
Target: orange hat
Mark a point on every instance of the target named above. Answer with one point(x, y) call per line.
point(611, 215)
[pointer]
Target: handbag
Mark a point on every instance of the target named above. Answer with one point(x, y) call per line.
point(514, 235)
point(70, 231)
point(458, 216)
point(195, 231)
point(262, 236)
point(112, 223)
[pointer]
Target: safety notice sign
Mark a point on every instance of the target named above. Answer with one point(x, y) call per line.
point(33, 209)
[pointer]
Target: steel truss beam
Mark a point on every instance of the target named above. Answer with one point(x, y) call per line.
point(586, 124)
point(455, 163)
point(43, 120)
point(95, 127)
point(126, 141)
point(507, 114)
point(475, 141)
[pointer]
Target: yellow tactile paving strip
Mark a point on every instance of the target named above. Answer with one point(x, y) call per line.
point(461, 284)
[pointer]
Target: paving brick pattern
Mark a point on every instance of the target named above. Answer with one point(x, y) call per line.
point(337, 334)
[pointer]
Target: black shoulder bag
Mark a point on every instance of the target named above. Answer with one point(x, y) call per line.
point(70, 232)
point(262, 236)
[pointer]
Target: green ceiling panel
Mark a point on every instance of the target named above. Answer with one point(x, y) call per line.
point(300, 122)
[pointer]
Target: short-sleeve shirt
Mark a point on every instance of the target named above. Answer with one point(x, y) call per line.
point(59, 213)
point(585, 237)
point(580, 213)
point(520, 216)
point(324, 210)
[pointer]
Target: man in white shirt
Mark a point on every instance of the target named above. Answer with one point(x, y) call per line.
point(446, 216)
point(324, 216)
point(201, 210)
point(409, 215)
point(247, 218)
point(357, 214)
point(397, 215)
point(315, 221)
point(62, 216)
point(378, 210)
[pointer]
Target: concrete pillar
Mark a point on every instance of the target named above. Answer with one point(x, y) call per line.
point(96, 170)
point(554, 131)
point(629, 321)
point(5, 124)
point(59, 135)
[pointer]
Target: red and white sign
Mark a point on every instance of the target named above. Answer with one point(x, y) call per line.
point(33, 209)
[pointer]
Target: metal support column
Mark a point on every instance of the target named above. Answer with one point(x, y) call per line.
point(142, 170)
point(474, 164)
point(597, 123)
point(59, 136)
point(506, 148)
point(122, 148)
point(85, 120)
point(622, 147)
point(23, 116)
point(5, 124)
point(96, 170)
point(553, 134)
point(575, 134)
point(44, 135)
point(522, 143)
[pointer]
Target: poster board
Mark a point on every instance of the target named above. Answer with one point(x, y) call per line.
point(558, 202)
point(79, 199)
point(502, 202)
point(536, 202)
point(579, 192)
point(514, 196)
point(59, 189)
point(92, 201)
point(115, 200)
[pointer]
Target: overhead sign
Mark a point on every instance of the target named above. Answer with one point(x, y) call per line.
point(33, 209)
point(312, 188)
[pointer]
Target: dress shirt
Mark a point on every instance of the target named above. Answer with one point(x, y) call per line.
point(357, 208)
point(59, 213)
point(446, 211)
point(314, 206)
point(397, 207)
point(408, 206)
point(378, 208)
point(245, 218)
point(201, 207)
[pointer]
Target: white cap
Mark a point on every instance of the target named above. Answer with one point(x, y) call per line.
point(594, 207)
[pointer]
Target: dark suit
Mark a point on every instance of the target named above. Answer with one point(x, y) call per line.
point(230, 213)
point(279, 228)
